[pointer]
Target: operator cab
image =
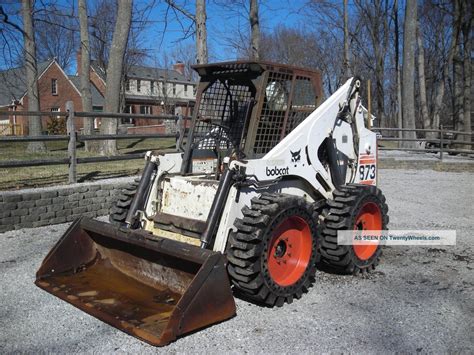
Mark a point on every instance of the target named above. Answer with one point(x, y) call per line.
point(244, 109)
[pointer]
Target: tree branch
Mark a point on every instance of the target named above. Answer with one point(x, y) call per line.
point(182, 10)
point(14, 25)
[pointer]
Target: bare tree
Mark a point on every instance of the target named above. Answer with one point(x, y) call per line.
point(254, 30)
point(440, 57)
point(186, 54)
point(398, 108)
point(115, 73)
point(361, 34)
point(408, 71)
point(86, 96)
point(458, 80)
point(11, 37)
point(421, 79)
point(374, 20)
point(103, 18)
point(467, 42)
point(34, 123)
point(55, 32)
point(347, 68)
point(201, 32)
point(307, 49)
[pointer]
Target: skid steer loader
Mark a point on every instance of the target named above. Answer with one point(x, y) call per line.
point(250, 206)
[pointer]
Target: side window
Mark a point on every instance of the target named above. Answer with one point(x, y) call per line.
point(302, 103)
point(304, 97)
point(271, 122)
point(276, 94)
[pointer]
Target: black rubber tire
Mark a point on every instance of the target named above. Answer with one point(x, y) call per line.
point(247, 253)
point(120, 208)
point(340, 214)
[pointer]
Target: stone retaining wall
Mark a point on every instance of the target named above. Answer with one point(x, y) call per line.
point(52, 205)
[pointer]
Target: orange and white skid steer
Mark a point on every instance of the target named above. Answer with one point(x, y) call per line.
point(249, 206)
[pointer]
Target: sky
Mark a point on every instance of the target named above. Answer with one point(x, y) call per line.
point(222, 24)
point(166, 30)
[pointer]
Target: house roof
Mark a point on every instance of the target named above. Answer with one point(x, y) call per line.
point(98, 69)
point(13, 83)
point(142, 72)
point(146, 73)
point(97, 98)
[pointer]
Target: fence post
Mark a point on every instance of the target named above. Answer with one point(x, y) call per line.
point(441, 142)
point(71, 148)
point(179, 131)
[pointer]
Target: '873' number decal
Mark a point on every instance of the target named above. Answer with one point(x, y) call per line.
point(367, 172)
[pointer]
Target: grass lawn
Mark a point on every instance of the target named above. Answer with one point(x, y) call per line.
point(36, 176)
point(18, 178)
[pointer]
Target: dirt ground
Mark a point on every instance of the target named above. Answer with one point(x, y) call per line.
point(420, 299)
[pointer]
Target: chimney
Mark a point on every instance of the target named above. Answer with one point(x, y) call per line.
point(78, 60)
point(179, 67)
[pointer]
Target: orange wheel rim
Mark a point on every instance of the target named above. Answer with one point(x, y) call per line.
point(369, 218)
point(290, 251)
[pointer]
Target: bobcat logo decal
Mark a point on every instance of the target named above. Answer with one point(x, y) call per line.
point(295, 156)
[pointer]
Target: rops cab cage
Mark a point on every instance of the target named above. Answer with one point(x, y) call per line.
point(245, 108)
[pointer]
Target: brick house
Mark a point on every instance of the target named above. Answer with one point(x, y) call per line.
point(55, 88)
point(150, 90)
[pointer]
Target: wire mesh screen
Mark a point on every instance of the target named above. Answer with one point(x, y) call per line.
point(221, 117)
point(302, 104)
point(272, 119)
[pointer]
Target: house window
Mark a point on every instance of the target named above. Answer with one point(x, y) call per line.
point(145, 110)
point(139, 85)
point(127, 85)
point(194, 89)
point(54, 86)
point(130, 120)
point(185, 89)
point(174, 89)
point(55, 109)
point(152, 87)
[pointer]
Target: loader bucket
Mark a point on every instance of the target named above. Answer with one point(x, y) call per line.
point(152, 288)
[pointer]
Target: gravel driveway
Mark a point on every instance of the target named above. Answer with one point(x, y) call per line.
point(418, 300)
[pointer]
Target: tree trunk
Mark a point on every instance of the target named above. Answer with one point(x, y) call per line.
point(254, 30)
point(201, 32)
point(458, 83)
point(467, 73)
point(422, 81)
point(408, 72)
point(397, 69)
point(458, 77)
point(86, 96)
point(114, 73)
point(347, 67)
point(440, 89)
point(379, 89)
point(34, 123)
point(438, 102)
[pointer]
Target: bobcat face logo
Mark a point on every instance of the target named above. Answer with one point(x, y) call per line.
point(295, 156)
